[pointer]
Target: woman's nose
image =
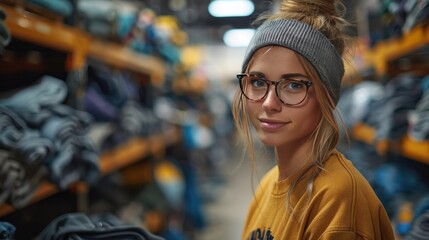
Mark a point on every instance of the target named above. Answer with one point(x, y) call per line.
point(271, 102)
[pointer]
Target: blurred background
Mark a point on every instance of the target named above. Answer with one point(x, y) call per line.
point(116, 113)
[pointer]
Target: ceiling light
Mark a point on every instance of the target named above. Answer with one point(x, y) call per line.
point(238, 37)
point(231, 8)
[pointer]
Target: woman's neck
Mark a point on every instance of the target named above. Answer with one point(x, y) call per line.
point(291, 158)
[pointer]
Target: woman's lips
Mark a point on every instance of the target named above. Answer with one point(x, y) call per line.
point(267, 124)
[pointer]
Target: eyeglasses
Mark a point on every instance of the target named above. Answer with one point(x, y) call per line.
point(289, 91)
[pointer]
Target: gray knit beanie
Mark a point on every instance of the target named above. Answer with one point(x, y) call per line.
point(307, 41)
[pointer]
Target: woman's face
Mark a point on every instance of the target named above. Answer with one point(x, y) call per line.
point(278, 124)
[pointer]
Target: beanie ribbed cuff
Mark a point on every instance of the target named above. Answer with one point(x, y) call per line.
point(308, 42)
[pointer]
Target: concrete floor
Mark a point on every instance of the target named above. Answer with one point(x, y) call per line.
point(227, 212)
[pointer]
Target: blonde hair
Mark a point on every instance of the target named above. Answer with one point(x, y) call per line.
point(323, 16)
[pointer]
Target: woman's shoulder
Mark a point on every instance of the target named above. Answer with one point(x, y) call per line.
point(340, 178)
point(344, 198)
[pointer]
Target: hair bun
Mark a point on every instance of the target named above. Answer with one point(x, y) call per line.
point(324, 15)
point(325, 8)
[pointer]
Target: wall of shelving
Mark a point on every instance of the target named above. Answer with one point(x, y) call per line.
point(79, 46)
point(380, 57)
point(378, 64)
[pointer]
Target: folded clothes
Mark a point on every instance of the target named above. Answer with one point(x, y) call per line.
point(28, 103)
point(36, 125)
point(389, 115)
point(18, 181)
point(137, 119)
point(97, 226)
point(74, 163)
point(16, 136)
point(420, 128)
point(99, 107)
point(76, 158)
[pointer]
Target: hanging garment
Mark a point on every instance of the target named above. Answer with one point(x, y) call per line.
point(106, 226)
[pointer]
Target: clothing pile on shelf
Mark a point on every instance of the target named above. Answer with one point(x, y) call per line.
point(419, 119)
point(398, 108)
point(389, 116)
point(116, 100)
point(42, 131)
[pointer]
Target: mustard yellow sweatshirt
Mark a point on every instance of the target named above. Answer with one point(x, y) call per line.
point(343, 206)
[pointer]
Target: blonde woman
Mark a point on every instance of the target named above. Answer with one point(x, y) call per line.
point(289, 88)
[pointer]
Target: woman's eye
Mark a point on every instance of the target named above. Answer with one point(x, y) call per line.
point(292, 86)
point(295, 85)
point(257, 83)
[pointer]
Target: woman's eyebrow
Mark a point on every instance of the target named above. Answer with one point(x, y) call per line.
point(259, 74)
point(287, 75)
point(294, 75)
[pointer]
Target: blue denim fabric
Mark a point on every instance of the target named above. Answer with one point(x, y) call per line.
point(95, 104)
point(81, 226)
point(137, 120)
point(76, 158)
point(389, 115)
point(70, 156)
point(7, 231)
point(108, 91)
point(394, 182)
point(30, 102)
point(16, 136)
point(18, 181)
point(420, 129)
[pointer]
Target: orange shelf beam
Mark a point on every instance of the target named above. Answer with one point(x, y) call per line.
point(120, 157)
point(123, 57)
point(132, 151)
point(45, 190)
point(392, 49)
point(32, 28)
point(410, 148)
point(417, 150)
point(364, 133)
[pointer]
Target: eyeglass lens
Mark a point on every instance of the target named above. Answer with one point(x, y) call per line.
point(289, 91)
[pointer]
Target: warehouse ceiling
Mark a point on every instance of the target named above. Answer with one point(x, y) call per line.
point(194, 17)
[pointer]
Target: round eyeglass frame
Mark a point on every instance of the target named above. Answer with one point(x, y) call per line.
point(307, 84)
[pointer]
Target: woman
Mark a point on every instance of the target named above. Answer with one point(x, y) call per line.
point(289, 88)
